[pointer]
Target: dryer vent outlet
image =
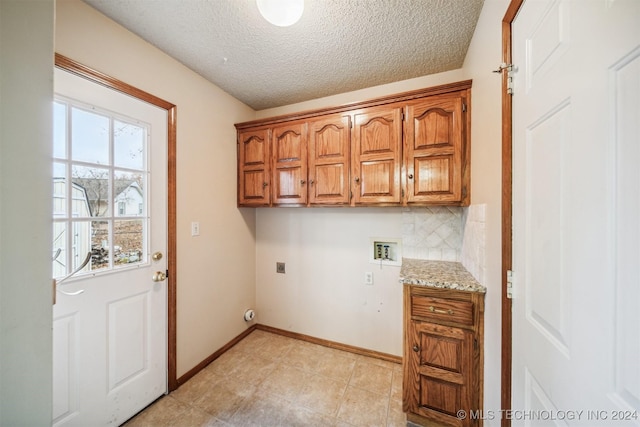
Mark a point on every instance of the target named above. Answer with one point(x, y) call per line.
point(249, 315)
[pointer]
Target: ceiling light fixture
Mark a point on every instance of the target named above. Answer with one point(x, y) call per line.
point(281, 13)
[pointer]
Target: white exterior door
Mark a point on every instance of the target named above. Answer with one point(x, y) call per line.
point(576, 210)
point(110, 319)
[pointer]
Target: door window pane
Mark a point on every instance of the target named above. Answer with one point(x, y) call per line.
point(59, 130)
point(99, 245)
point(89, 137)
point(80, 244)
point(94, 183)
point(129, 193)
point(59, 249)
point(59, 190)
point(128, 145)
point(128, 242)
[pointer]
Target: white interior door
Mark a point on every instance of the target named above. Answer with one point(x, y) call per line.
point(576, 210)
point(110, 200)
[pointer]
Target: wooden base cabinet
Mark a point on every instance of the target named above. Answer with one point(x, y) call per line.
point(443, 356)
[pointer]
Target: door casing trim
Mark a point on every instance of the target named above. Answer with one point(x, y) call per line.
point(69, 65)
point(507, 205)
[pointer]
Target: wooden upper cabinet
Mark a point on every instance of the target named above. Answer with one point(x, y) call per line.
point(289, 166)
point(412, 148)
point(253, 168)
point(376, 157)
point(436, 150)
point(329, 143)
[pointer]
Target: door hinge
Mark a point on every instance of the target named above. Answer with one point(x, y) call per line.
point(510, 82)
point(509, 284)
point(167, 274)
point(402, 116)
point(510, 68)
point(464, 107)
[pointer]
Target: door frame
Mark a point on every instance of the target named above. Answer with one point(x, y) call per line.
point(64, 63)
point(507, 209)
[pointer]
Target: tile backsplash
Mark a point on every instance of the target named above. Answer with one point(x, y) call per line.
point(433, 233)
point(472, 254)
point(446, 234)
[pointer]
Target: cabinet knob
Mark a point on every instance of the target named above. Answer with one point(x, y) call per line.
point(303, 182)
point(356, 179)
point(410, 176)
point(311, 182)
point(416, 348)
point(264, 184)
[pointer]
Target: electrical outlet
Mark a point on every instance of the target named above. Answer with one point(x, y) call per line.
point(368, 278)
point(280, 267)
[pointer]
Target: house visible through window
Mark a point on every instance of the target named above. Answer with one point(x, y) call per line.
point(100, 189)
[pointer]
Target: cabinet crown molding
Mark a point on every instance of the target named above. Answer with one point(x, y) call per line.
point(389, 99)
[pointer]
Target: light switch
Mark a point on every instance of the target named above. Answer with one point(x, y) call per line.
point(195, 228)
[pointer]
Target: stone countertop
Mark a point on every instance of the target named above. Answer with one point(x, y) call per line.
point(438, 274)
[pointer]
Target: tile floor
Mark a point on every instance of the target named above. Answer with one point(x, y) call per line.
point(271, 380)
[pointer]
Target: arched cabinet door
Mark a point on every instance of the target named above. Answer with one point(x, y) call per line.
point(289, 154)
point(437, 150)
point(377, 155)
point(253, 168)
point(329, 148)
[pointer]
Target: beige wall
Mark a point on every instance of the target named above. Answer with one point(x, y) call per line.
point(323, 293)
point(216, 269)
point(26, 74)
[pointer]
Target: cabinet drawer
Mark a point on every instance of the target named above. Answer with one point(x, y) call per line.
point(442, 310)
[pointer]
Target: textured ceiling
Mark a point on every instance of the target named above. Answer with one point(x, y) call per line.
point(337, 46)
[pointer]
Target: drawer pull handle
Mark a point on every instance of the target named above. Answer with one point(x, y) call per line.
point(416, 348)
point(437, 310)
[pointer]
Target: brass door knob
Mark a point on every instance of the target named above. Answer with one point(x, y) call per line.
point(416, 348)
point(159, 276)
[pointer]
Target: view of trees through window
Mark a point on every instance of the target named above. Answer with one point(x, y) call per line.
point(100, 189)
